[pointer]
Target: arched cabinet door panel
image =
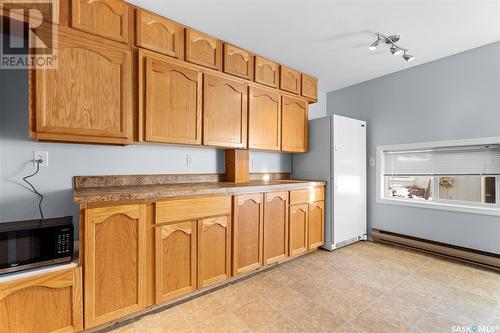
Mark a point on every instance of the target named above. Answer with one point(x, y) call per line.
point(247, 232)
point(293, 124)
point(204, 50)
point(275, 239)
point(238, 62)
point(175, 260)
point(310, 87)
point(290, 80)
point(115, 254)
point(104, 18)
point(316, 228)
point(88, 97)
point(298, 229)
point(264, 119)
point(267, 72)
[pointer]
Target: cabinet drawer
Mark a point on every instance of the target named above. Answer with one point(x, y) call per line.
point(191, 208)
point(105, 18)
point(290, 80)
point(306, 196)
point(159, 34)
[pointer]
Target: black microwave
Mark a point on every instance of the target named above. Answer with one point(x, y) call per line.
point(35, 243)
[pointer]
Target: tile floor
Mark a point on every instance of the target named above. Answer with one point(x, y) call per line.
point(364, 287)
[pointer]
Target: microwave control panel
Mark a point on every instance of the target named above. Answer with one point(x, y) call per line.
point(64, 245)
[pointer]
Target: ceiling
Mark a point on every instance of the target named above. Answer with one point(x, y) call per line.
point(330, 39)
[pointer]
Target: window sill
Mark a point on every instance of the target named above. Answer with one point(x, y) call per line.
point(442, 206)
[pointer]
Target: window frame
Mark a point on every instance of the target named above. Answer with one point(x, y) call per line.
point(440, 204)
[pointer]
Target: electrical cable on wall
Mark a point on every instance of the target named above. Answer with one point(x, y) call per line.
point(38, 162)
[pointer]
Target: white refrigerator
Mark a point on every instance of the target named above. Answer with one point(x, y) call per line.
point(337, 155)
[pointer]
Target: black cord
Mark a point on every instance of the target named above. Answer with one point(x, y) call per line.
point(34, 190)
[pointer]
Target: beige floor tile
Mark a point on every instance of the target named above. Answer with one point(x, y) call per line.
point(349, 328)
point(308, 287)
point(262, 284)
point(287, 274)
point(417, 297)
point(257, 314)
point(374, 321)
point(436, 323)
point(235, 295)
point(201, 309)
point(316, 318)
point(163, 322)
point(282, 326)
point(125, 329)
point(479, 281)
point(403, 309)
point(286, 299)
point(227, 322)
point(340, 305)
point(357, 290)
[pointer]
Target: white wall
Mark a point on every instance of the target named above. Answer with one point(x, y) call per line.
point(318, 109)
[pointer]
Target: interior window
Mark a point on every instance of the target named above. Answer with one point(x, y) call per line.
point(411, 187)
point(468, 188)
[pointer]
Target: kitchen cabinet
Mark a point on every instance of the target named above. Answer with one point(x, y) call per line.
point(247, 232)
point(171, 96)
point(159, 34)
point(267, 72)
point(293, 124)
point(114, 275)
point(214, 250)
point(104, 18)
point(316, 225)
point(290, 80)
point(49, 302)
point(176, 260)
point(298, 229)
point(224, 112)
point(275, 233)
point(238, 62)
point(264, 119)
point(88, 97)
point(309, 87)
point(202, 49)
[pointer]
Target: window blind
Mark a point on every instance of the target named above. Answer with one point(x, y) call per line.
point(447, 161)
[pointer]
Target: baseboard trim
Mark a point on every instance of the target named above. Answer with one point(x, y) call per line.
point(481, 258)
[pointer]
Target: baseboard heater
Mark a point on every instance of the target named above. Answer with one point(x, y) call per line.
point(485, 259)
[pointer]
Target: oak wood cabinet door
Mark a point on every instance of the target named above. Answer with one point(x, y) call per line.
point(105, 18)
point(175, 260)
point(290, 80)
point(316, 227)
point(224, 112)
point(293, 124)
point(298, 229)
point(238, 62)
point(158, 34)
point(275, 243)
point(309, 87)
point(264, 119)
point(50, 302)
point(267, 72)
point(247, 232)
point(172, 102)
point(214, 250)
point(203, 49)
point(115, 248)
point(88, 98)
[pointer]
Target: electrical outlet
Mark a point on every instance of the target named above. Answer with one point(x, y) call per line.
point(41, 155)
point(189, 159)
point(253, 164)
point(371, 161)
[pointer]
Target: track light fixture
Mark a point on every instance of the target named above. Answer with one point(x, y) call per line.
point(395, 49)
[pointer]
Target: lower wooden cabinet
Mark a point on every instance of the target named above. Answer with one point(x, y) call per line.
point(316, 227)
point(176, 260)
point(214, 250)
point(115, 255)
point(247, 232)
point(298, 229)
point(275, 233)
point(50, 302)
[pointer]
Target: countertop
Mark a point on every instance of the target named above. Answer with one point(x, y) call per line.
point(162, 191)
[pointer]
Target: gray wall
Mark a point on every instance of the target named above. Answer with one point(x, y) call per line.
point(17, 202)
point(457, 97)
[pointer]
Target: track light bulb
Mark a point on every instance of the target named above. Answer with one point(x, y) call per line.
point(395, 51)
point(408, 57)
point(375, 44)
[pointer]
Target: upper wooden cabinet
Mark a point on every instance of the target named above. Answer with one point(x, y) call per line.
point(293, 124)
point(290, 80)
point(275, 236)
point(224, 112)
point(266, 72)
point(88, 97)
point(238, 62)
point(203, 49)
point(264, 119)
point(214, 250)
point(105, 18)
point(158, 34)
point(247, 232)
point(115, 248)
point(176, 260)
point(50, 302)
point(171, 101)
point(309, 87)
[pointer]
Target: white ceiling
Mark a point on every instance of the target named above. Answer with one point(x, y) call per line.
point(330, 39)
